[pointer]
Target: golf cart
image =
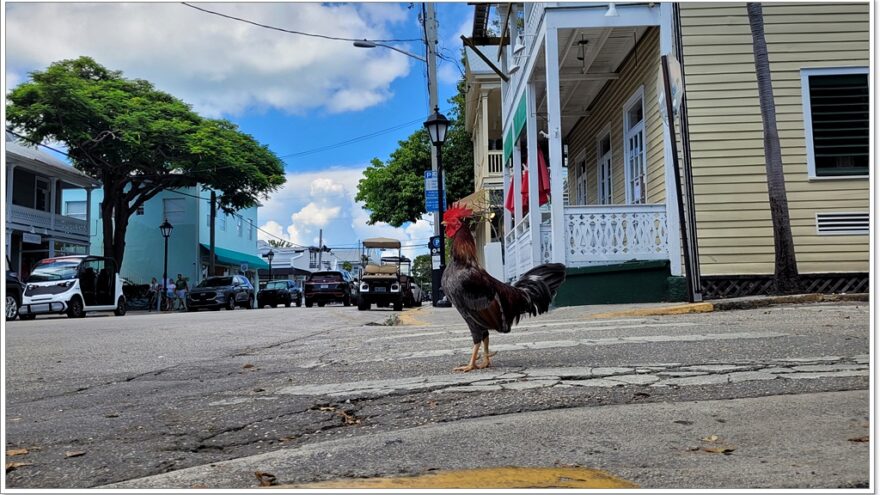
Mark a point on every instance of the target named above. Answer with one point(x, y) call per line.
point(73, 285)
point(381, 284)
point(412, 293)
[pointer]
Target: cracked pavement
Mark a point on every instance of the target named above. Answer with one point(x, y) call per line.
point(148, 394)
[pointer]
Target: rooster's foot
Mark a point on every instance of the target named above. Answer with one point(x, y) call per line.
point(466, 368)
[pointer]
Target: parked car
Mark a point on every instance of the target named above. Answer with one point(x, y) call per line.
point(73, 285)
point(329, 286)
point(228, 292)
point(280, 292)
point(14, 291)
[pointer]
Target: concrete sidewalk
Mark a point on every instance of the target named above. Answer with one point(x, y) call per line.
point(789, 441)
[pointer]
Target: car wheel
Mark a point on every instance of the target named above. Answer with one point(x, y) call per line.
point(321, 304)
point(75, 308)
point(27, 317)
point(11, 307)
point(251, 304)
point(398, 305)
point(230, 303)
point(309, 303)
point(346, 301)
point(299, 302)
point(120, 307)
point(287, 302)
point(363, 305)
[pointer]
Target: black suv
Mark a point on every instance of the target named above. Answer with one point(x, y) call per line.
point(280, 292)
point(228, 292)
point(330, 286)
point(14, 290)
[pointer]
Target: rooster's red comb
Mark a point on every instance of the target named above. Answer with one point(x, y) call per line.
point(457, 212)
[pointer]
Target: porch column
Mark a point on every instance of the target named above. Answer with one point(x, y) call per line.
point(673, 228)
point(53, 186)
point(484, 129)
point(89, 219)
point(554, 128)
point(517, 183)
point(10, 174)
point(508, 226)
point(532, 161)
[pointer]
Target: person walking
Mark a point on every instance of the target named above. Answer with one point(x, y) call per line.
point(153, 295)
point(181, 288)
point(168, 287)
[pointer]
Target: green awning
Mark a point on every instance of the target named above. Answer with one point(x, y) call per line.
point(234, 258)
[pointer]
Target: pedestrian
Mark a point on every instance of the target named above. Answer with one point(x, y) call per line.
point(168, 286)
point(182, 288)
point(153, 295)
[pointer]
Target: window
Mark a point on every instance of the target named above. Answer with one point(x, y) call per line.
point(174, 209)
point(250, 230)
point(836, 120)
point(239, 223)
point(140, 210)
point(75, 209)
point(581, 179)
point(221, 221)
point(41, 194)
point(634, 146)
point(603, 169)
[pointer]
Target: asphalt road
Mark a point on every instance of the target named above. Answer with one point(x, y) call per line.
point(327, 393)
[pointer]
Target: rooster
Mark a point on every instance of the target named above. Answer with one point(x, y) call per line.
point(487, 303)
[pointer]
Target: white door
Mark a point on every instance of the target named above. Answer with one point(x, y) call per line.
point(634, 148)
point(603, 171)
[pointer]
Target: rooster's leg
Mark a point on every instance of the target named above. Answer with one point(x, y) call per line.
point(473, 364)
point(486, 353)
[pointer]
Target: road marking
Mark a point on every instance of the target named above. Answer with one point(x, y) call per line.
point(536, 330)
point(498, 477)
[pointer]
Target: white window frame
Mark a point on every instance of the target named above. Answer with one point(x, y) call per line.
point(239, 225)
point(46, 206)
point(78, 216)
point(639, 95)
point(604, 168)
point(580, 178)
point(808, 115)
point(173, 215)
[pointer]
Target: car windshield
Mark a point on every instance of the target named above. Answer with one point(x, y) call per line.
point(277, 285)
point(50, 269)
point(216, 282)
point(325, 277)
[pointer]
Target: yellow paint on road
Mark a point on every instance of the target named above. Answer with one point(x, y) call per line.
point(680, 309)
point(408, 318)
point(501, 477)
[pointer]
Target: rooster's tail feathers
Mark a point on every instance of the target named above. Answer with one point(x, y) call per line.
point(539, 285)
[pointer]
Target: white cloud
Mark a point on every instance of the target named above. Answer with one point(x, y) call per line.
point(311, 201)
point(220, 66)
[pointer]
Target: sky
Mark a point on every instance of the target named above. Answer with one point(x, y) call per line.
point(301, 96)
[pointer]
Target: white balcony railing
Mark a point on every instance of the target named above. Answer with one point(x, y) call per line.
point(615, 233)
point(44, 220)
point(495, 162)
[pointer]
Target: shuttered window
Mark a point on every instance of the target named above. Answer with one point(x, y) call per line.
point(836, 113)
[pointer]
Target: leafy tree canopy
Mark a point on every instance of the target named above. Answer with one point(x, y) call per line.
point(138, 141)
point(421, 268)
point(394, 191)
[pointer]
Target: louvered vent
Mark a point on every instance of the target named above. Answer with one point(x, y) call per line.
point(842, 223)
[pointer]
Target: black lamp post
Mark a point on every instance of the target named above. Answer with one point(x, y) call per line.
point(437, 124)
point(166, 229)
point(269, 256)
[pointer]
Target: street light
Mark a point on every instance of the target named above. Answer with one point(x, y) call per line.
point(437, 125)
point(270, 255)
point(166, 229)
point(372, 44)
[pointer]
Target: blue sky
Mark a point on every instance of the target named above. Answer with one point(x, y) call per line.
point(291, 92)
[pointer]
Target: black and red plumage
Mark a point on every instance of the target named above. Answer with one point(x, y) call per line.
point(484, 302)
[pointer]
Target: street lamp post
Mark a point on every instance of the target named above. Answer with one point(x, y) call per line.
point(437, 124)
point(269, 256)
point(166, 229)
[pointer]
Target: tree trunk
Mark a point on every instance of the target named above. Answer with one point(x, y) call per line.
point(785, 273)
point(114, 219)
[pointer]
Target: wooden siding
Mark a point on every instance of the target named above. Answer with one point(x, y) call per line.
point(638, 69)
point(733, 217)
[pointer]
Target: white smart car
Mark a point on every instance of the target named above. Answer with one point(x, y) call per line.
point(73, 285)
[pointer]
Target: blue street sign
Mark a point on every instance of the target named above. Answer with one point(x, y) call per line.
point(431, 191)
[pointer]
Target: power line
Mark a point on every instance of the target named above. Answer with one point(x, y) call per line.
point(291, 31)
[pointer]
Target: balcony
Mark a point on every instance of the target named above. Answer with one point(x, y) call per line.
point(594, 235)
point(50, 222)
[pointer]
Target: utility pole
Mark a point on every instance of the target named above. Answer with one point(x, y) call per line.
point(320, 248)
point(212, 227)
point(430, 21)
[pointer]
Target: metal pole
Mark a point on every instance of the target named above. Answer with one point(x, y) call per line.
point(440, 207)
point(165, 275)
point(212, 227)
point(681, 215)
point(320, 248)
point(431, 45)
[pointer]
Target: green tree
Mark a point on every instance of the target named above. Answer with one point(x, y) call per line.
point(394, 191)
point(421, 269)
point(138, 141)
point(785, 271)
point(347, 266)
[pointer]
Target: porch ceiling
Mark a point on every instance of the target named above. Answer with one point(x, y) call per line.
point(581, 79)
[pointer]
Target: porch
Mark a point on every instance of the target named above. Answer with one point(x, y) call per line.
point(582, 92)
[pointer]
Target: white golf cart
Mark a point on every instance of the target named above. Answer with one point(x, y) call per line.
point(73, 285)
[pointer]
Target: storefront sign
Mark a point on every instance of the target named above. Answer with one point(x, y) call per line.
point(31, 238)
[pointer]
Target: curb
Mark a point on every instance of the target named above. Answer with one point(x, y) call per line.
point(735, 304)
